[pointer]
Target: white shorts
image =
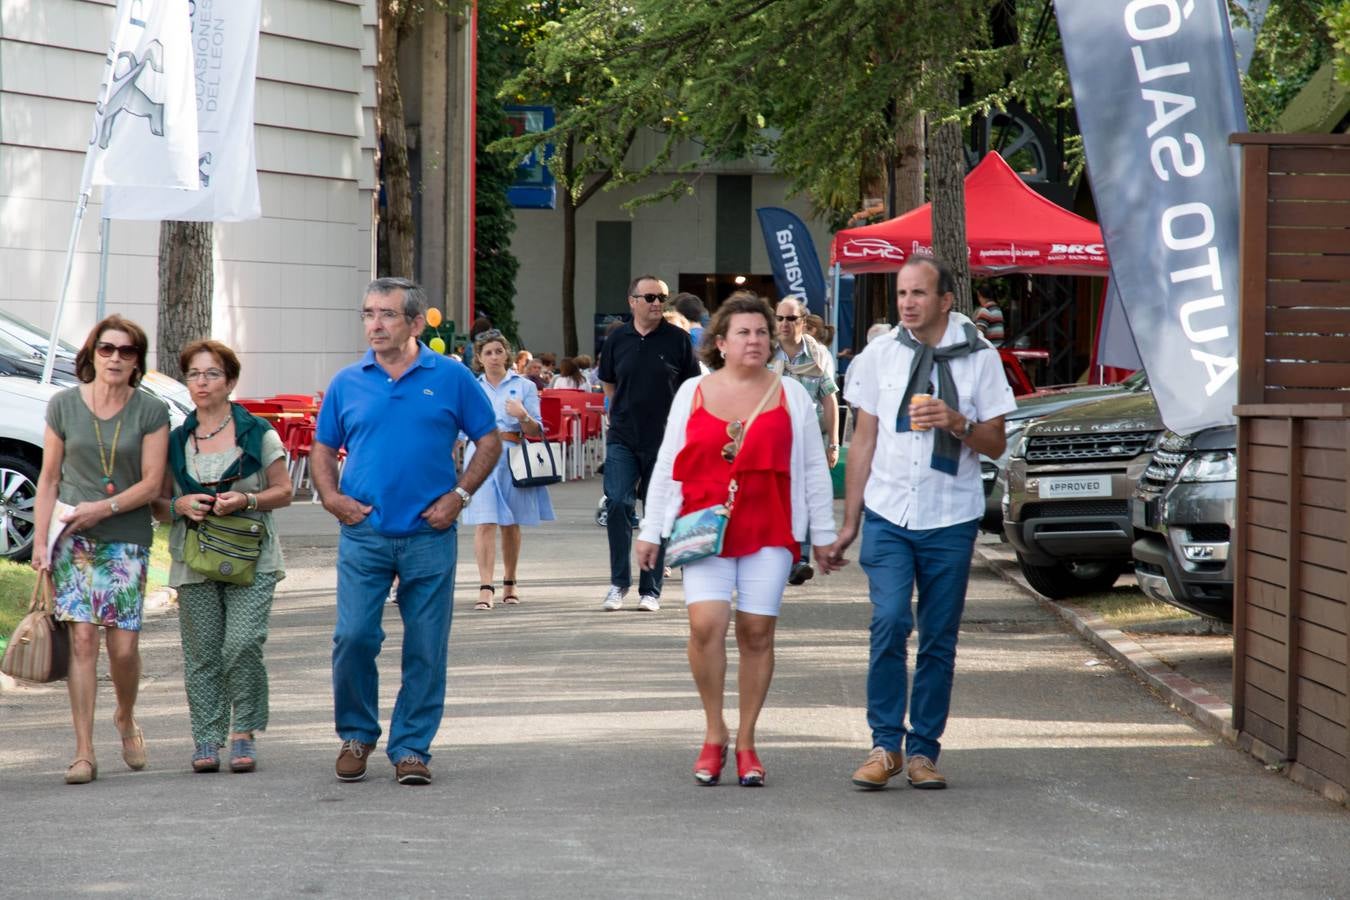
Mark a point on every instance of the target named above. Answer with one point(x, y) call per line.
point(758, 580)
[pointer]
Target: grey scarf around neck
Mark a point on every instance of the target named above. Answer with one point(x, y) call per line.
point(946, 449)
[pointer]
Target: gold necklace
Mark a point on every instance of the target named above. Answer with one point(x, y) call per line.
point(106, 460)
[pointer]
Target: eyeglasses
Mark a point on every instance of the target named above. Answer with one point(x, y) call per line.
point(127, 352)
point(787, 318)
point(651, 298)
point(735, 430)
point(208, 374)
point(386, 316)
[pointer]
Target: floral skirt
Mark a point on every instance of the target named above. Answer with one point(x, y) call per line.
point(101, 582)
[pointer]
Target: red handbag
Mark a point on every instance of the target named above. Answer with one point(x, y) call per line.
point(39, 649)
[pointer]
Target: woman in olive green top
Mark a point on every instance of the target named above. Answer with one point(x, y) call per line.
point(223, 461)
point(103, 460)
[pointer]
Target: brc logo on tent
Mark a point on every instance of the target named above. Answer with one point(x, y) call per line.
point(1090, 249)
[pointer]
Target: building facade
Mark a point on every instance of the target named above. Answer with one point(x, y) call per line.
point(287, 285)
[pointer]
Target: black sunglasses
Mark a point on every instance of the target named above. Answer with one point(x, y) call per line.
point(787, 318)
point(651, 298)
point(126, 351)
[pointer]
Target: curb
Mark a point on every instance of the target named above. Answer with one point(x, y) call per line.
point(1182, 694)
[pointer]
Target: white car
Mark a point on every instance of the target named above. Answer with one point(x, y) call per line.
point(23, 424)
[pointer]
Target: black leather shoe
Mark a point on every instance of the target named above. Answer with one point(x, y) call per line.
point(801, 573)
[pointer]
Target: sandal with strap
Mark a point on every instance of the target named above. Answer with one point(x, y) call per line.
point(243, 755)
point(485, 604)
point(206, 758)
point(82, 771)
point(509, 597)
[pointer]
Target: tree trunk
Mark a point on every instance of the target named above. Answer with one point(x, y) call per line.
point(569, 272)
point(909, 157)
point(392, 145)
point(186, 285)
point(947, 162)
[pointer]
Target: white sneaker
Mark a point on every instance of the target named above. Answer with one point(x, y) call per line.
point(649, 603)
point(614, 599)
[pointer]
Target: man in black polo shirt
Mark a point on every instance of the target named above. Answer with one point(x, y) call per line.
point(642, 364)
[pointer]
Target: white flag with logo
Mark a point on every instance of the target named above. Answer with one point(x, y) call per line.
point(225, 41)
point(145, 122)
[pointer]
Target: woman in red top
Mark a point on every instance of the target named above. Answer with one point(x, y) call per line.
point(741, 426)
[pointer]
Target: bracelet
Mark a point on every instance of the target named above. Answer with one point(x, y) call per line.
point(831, 446)
point(252, 501)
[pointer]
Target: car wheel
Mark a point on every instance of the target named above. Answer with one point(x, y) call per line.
point(1062, 580)
point(18, 507)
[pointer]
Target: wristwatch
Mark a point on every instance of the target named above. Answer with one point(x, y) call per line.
point(112, 504)
point(965, 431)
point(831, 446)
point(464, 495)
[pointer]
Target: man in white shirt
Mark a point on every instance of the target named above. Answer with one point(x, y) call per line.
point(914, 465)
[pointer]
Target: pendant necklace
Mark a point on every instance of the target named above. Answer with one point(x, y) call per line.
point(106, 460)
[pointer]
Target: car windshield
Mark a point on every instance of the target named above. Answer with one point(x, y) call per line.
point(11, 346)
point(21, 330)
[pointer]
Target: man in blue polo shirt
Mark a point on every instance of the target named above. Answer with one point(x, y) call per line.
point(397, 412)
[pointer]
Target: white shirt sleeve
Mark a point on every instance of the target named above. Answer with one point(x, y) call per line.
point(861, 388)
point(993, 396)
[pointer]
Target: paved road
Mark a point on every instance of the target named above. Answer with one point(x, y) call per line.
point(562, 768)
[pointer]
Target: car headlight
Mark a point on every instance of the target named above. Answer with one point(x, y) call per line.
point(1016, 442)
point(1215, 465)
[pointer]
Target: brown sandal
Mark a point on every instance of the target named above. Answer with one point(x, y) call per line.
point(81, 771)
point(509, 597)
point(485, 604)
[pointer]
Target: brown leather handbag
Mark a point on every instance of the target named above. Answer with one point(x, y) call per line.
point(39, 649)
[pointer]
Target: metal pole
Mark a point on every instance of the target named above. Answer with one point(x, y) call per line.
point(50, 362)
point(104, 240)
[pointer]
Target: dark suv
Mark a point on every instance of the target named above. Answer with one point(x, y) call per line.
point(1183, 514)
point(1070, 477)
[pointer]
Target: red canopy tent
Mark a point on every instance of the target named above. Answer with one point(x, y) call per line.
point(1009, 228)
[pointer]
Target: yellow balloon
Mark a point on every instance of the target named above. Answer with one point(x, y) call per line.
point(437, 344)
point(433, 317)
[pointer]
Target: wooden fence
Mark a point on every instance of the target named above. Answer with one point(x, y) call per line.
point(1291, 668)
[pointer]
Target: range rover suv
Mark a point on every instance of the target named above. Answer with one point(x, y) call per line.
point(1070, 477)
point(1183, 513)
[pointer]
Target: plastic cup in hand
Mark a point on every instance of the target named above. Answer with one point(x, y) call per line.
point(914, 399)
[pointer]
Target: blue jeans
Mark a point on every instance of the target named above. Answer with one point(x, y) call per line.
point(894, 558)
point(425, 566)
point(627, 472)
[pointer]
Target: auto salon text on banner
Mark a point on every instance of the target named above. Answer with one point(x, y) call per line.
point(1156, 90)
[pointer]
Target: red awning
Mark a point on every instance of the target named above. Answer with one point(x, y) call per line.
point(1009, 228)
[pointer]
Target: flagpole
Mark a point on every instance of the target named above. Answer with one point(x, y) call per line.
point(50, 362)
point(104, 240)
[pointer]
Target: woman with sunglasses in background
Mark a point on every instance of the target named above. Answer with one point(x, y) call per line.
point(805, 360)
point(102, 463)
point(223, 461)
point(498, 503)
point(745, 437)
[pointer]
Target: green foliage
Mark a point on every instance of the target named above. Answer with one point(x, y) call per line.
point(1338, 25)
point(819, 86)
point(1292, 45)
point(495, 266)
